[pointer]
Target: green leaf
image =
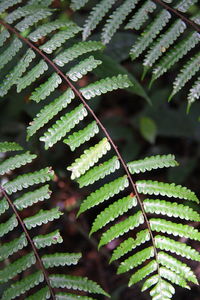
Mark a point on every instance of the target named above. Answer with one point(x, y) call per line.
point(45, 89)
point(177, 266)
point(23, 285)
point(152, 162)
point(130, 244)
point(6, 4)
point(165, 189)
point(10, 52)
point(105, 85)
point(135, 260)
point(143, 272)
point(76, 283)
point(63, 126)
point(9, 248)
point(4, 35)
point(42, 217)
point(80, 137)
point(15, 162)
point(167, 244)
point(44, 240)
point(174, 278)
point(113, 211)
point(163, 290)
point(60, 259)
point(77, 4)
point(49, 111)
point(169, 227)
point(8, 226)
point(105, 192)
point(18, 266)
point(67, 296)
point(89, 158)
point(170, 209)
point(148, 129)
point(29, 179)
point(3, 206)
point(42, 294)
point(120, 228)
point(31, 198)
point(9, 146)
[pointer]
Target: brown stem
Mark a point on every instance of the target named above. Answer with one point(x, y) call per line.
point(180, 15)
point(78, 93)
point(31, 242)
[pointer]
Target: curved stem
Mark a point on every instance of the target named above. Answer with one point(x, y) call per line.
point(178, 14)
point(79, 95)
point(30, 241)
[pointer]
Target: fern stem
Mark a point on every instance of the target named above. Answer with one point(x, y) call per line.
point(180, 15)
point(79, 95)
point(31, 242)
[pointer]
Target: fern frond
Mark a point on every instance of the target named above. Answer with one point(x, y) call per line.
point(77, 4)
point(80, 137)
point(116, 19)
point(44, 240)
point(174, 278)
point(99, 172)
point(9, 146)
point(67, 296)
point(42, 294)
point(76, 283)
point(150, 33)
point(186, 73)
point(45, 89)
point(3, 206)
point(163, 43)
point(4, 35)
point(152, 280)
point(15, 245)
point(17, 72)
point(81, 69)
point(170, 209)
point(141, 15)
point(76, 51)
point(8, 226)
point(184, 5)
point(113, 211)
point(96, 15)
point(17, 267)
point(23, 285)
point(175, 54)
point(152, 162)
point(33, 19)
point(6, 4)
point(49, 111)
point(16, 161)
point(130, 244)
point(174, 264)
point(42, 217)
point(105, 192)
point(63, 126)
point(104, 85)
point(29, 179)
point(162, 290)
point(45, 29)
point(10, 52)
point(31, 76)
point(143, 272)
point(167, 244)
point(59, 38)
point(120, 228)
point(31, 198)
point(89, 158)
point(194, 93)
point(175, 229)
point(165, 189)
point(60, 259)
point(135, 260)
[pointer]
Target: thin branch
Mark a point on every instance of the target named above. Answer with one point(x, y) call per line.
point(192, 24)
point(30, 241)
point(79, 95)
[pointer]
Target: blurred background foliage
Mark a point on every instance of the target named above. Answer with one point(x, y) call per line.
point(140, 121)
